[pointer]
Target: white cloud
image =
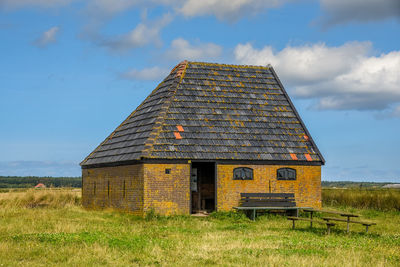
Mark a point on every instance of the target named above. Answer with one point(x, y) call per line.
point(47, 37)
point(17, 4)
point(181, 49)
point(98, 12)
point(334, 11)
point(153, 73)
point(145, 33)
point(223, 9)
point(227, 9)
point(342, 11)
point(342, 77)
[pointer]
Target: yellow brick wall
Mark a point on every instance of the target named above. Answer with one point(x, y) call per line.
point(167, 194)
point(148, 187)
point(307, 186)
point(104, 188)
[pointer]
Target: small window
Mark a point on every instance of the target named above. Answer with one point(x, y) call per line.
point(243, 174)
point(167, 171)
point(286, 174)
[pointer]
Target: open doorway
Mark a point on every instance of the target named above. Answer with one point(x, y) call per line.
point(202, 187)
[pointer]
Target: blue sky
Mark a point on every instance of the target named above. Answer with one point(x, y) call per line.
point(72, 70)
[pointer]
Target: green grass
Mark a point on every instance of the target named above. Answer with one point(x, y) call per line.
point(61, 233)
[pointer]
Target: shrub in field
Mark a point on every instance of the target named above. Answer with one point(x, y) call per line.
point(379, 199)
point(40, 198)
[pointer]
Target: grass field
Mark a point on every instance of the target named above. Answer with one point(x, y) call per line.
point(377, 199)
point(49, 228)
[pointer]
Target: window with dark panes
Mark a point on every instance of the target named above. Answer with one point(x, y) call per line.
point(242, 173)
point(286, 174)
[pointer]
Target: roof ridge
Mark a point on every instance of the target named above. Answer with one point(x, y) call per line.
point(268, 66)
point(158, 124)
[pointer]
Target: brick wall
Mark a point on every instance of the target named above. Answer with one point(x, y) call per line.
point(114, 187)
point(167, 193)
point(307, 186)
point(144, 187)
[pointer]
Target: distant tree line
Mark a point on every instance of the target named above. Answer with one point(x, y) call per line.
point(31, 181)
point(348, 184)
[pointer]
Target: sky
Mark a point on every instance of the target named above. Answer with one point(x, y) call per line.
point(72, 70)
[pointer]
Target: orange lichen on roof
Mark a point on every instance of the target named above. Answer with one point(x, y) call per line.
point(181, 69)
point(180, 128)
point(308, 157)
point(306, 137)
point(177, 135)
point(294, 157)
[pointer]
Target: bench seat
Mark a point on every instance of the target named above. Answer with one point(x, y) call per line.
point(366, 224)
point(344, 220)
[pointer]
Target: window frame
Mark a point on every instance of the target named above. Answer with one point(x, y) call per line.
point(243, 175)
point(286, 174)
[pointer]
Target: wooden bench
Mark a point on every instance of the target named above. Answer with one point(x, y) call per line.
point(328, 224)
point(267, 201)
point(366, 224)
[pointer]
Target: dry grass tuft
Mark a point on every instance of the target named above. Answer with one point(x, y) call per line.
point(33, 198)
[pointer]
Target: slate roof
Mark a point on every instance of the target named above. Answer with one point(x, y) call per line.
point(208, 111)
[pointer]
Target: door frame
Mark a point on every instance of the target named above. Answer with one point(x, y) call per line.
point(215, 182)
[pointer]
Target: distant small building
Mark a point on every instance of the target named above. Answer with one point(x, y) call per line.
point(40, 185)
point(207, 133)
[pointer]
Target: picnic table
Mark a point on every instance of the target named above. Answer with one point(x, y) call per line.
point(343, 214)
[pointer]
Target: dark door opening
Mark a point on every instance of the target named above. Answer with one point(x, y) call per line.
point(202, 187)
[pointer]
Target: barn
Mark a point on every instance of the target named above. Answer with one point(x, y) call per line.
point(207, 133)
